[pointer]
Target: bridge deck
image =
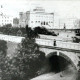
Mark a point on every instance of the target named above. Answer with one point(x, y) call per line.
point(60, 45)
point(59, 48)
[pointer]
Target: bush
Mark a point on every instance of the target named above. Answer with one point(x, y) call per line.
point(3, 58)
point(42, 30)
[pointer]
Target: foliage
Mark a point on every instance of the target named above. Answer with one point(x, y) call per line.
point(3, 47)
point(9, 30)
point(78, 76)
point(29, 59)
point(12, 30)
point(26, 63)
point(43, 30)
point(76, 40)
point(36, 31)
point(31, 33)
point(3, 54)
point(77, 32)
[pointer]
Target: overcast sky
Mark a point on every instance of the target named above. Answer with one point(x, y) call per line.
point(60, 8)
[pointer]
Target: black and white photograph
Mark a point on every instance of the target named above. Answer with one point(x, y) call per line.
point(39, 39)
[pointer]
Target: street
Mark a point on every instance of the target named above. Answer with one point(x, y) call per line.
point(52, 76)
point(68, 74)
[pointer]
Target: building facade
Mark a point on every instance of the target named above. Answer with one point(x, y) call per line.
point(37, 17)
point(69, 23)
point(15, 22)
point(5, 19)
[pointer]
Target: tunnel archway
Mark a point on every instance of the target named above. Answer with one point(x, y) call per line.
point(59, 62)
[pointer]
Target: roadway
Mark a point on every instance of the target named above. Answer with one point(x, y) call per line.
point(68, 74)
point(52, 76)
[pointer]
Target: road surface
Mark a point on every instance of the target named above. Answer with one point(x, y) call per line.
point(69, 74)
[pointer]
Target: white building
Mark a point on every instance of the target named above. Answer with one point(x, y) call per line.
point(5, 19)
point(15, 22)
point(37, 17)
point(69, 23)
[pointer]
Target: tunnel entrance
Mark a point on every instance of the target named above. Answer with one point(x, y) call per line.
point(58, 63)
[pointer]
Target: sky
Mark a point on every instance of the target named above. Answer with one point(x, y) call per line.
point(60, 8)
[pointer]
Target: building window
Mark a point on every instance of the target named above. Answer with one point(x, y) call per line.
point(46, 23)
point(2, 23)
point(42, 23)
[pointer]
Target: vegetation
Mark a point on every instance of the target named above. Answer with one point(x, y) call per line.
point(42, 30)
point(38, 30)
point(16, 31)
point(27, 62)
point(9, 30)
point(78, 76)
point(31, 33)
point(77, 32)
point(3, 58)
point(76, 40)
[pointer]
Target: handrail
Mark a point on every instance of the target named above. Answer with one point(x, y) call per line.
point(10, 38)
point(68, 45)
point(45, 42)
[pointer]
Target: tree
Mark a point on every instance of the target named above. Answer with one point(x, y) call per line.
point(3, 47)
point(12, 30)
point(43, 30)
point(27, 61)
point(3, 54)
point(7, 29)
point(31, 33)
